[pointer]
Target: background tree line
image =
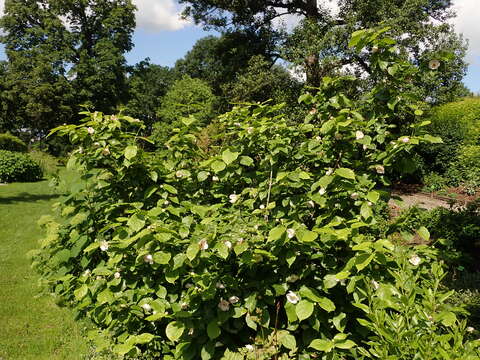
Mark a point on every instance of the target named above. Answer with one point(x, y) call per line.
point(64, 54)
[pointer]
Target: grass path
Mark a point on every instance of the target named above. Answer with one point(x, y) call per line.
point(31, 326)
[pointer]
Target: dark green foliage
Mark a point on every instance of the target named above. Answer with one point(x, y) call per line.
point(19, 167)
point(187, 97)
point(62, 54)
point(148, 83)
point(47, 162)
point(12, 143)
point(260, 82)
point(319, 43)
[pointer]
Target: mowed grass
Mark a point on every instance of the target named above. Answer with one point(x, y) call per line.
point(31, 325)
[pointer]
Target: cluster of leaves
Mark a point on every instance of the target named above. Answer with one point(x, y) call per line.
point(15, 166)
point(12, 143)
point(256, 249)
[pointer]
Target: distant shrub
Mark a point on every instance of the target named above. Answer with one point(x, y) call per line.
point(16, 166)
point(458, 124)
point(12, 143)
point(47, 162)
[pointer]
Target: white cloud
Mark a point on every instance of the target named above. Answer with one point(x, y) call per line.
point(466, 23)
point(157, 15)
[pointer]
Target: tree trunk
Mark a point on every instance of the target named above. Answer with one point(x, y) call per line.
point(312, 63)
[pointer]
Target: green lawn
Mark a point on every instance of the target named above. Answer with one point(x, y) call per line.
point(31, 326)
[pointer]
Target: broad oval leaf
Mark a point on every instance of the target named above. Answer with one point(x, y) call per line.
point(174, 330)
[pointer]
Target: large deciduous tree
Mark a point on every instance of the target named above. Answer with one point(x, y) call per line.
point(62, 53)
point(319, 42)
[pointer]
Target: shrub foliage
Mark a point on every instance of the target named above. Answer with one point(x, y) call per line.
point(12, 143)
point(19, 167)
point(257, 250)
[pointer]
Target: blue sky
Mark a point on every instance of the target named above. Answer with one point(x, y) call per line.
point(163, 37)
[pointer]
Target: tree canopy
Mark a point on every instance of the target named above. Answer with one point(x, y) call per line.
point(319, 40)
point(62, 53)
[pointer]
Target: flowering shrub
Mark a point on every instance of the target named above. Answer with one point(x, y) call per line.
point(257, 249)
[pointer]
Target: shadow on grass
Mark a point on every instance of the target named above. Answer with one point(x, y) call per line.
point(26, 197)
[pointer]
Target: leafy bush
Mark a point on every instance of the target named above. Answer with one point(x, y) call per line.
point(12, 143)
point(466, 167)
point(47, 162)
point(256, 249)
point(187, 97)
point(16, 166)
point(458, 124)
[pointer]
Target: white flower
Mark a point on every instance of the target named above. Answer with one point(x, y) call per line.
point(322, 191)
point(313, 111)
point(106, 151)
point(104, 246)
point(237, 124)
point(359, 135)
point(233, 198)
point(203, 244)
point(146, 307)
point(249, 347)
point(219, 285)
point(354, 196)
point(148, 259)
point(184, 306)
point(179, 174)
point(329, 172)
point(292, 297)
point(233, 299)
point(228, 244)
point(290, 233)
point(375, 49)
point(214, 178)
point(369, 203)
point(434, 64)
point(190, 332)
point(310, 204)
point(166, 202)
point(96, 143)
point(364, 147)
point(379, 169)
point(87, 272)
point(249, 129)
point(90, 130)
point(375, 285)
point(262, 207)
point(405, 139)
point(224, 305)
point(470, 329)
point(318, 138)
point(414, 260)
point(117, 275)
point(256, 227)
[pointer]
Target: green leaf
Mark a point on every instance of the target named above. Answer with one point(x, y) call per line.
point(288, 341)
point(345, 173)
point(306, 235)
point(304, 309)
point(174, 330)
point(362, 261)
point(170, 188)
point(162, 257)
point(130, 152)
point(326, 304)
point(345, 344)
point(276, 233)
point(246, 161)
point(144, 338)
point(424, 233)
point(135, 223)
point(105, 296)
point(192, 251)
point(373, 196)
point(213, 330)
point(218, 166)
point(123, 349)
point(81, 292)
point(202, 176)
point(322, 345)
point(228, 156)
point(366, 211)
